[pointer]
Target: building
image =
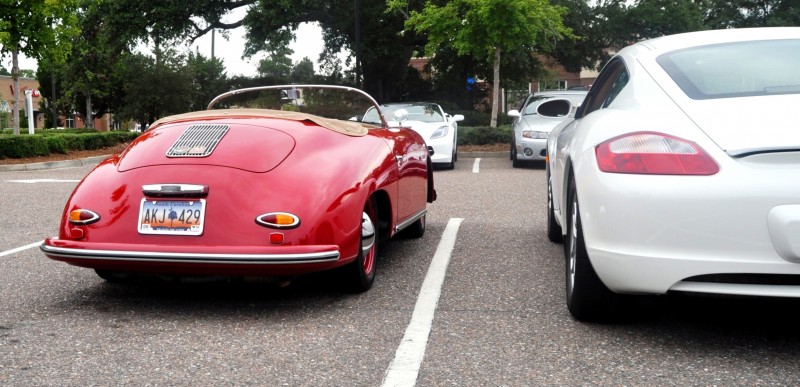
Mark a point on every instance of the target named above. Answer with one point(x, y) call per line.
point(7, 100)
point(7, 103)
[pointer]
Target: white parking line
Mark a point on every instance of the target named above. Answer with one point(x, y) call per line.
point(34, 181)
point(18, 249)
point(476, 166)
point(405, 367)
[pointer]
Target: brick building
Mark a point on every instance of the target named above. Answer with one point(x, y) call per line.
point(7, 103)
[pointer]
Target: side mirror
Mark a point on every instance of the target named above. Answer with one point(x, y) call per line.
point(458, 117)
point(513, 113)
point(556, 107)
point(400, 115)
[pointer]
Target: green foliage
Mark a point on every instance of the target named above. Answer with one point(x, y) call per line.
point(477, 118)
point(49, 141)
point(484, 135)
point(303, 71)
point(157, 87)
point(478, 28)
point(56, 144)
point(33, 28)
point(208, 79)
point(276, 65)
point(487, 29)
point(17, 146)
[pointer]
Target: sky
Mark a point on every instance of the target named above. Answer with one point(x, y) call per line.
point(308, 43)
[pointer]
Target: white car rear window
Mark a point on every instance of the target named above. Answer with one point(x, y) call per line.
point(738, 69)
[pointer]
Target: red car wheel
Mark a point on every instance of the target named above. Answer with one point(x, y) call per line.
point(362, 271)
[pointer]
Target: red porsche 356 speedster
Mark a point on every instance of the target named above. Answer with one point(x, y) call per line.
point(270, 181)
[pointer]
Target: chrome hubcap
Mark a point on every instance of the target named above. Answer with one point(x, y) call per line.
point(367, 234)
point(573, 240)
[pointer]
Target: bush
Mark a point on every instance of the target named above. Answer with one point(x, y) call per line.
point(476, 118)
point(49, 141)
point(56, 144)
point(23, 146)
point(483, 135)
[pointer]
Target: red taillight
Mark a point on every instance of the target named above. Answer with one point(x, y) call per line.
point(282, 220)
point(81, 216)
point(653, 154)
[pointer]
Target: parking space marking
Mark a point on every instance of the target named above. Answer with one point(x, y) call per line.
point(405, 367)
point(34, 181)
point(476, 166)
point(18, 249)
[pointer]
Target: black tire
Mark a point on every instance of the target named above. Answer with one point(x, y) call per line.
point(512, 153)
point(553, 229)
point(417, 229)
point(360, 274)
point(588, 299)
point(455, 153)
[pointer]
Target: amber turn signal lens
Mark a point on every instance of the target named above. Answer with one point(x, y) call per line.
point(82, 216)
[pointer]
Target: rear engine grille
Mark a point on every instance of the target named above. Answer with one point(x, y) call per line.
point(197, 141)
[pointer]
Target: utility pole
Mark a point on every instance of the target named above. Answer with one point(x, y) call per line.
point(357, 11)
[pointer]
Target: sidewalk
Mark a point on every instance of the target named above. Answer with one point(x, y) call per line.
point(52, 164)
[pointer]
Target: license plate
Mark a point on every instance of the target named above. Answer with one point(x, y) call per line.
point(172, 217)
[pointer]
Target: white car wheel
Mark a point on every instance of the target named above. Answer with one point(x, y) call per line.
point(588, 298)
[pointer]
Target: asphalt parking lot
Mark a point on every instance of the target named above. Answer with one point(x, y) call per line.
point(498, 316)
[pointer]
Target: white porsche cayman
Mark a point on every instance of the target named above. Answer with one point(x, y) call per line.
point(681, 172)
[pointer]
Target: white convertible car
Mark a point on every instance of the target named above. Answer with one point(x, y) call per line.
point(439, 129)
point(680, 172)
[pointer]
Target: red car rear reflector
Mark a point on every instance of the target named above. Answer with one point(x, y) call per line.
point(653, 153)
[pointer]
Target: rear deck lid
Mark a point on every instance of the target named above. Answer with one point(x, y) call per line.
point(242, 146)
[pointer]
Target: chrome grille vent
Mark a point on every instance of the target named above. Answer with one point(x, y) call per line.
point(197, 141)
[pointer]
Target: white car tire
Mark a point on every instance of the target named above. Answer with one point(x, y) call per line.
point(588, 299)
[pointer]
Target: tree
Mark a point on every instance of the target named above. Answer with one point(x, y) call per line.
point(303, 71)
point(276, 65)
point(380, 52)
point(486, 29)
point(29, 27)
point(156, 86)
point(208, 79)
point(752, 13)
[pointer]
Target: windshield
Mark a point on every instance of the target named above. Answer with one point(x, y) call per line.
point(536, 100)
point(333, 102)
point(736, 69)
point(420, 112)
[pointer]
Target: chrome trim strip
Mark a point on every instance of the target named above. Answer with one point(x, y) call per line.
point(295, 87)
point(410, 220)
point(154, 256)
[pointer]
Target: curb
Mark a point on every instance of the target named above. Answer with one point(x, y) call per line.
point(52, 164)
point(96, 159)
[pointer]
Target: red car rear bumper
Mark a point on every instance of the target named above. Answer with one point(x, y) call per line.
point(195, 260)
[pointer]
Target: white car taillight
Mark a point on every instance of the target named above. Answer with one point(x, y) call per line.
point(654, 154)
